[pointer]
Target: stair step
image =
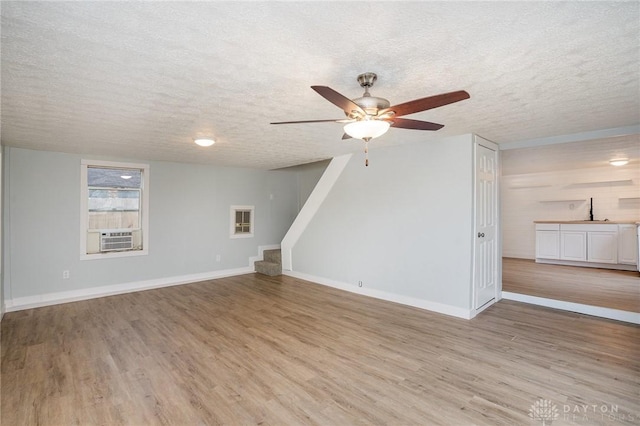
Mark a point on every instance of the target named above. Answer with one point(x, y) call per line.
point(268, 268)
point(274, 256)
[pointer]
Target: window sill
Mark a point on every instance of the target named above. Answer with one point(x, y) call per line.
point(241, 236)
point(114, 254)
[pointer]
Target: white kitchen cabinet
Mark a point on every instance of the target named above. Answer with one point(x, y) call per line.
point(603, 246)
point(627, 244)
point(573, 245)
point(594, 244)
point(548, 241)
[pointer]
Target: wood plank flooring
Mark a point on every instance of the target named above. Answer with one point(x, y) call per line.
point(590, 286)
point(280, 351)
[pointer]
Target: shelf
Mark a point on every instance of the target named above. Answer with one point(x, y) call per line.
point(563, 201)
point(629, 198)
point(529, 186)
point(604, 182)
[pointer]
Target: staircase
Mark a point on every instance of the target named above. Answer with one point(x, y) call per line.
point(272, 263)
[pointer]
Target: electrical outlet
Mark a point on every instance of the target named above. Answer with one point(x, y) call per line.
point(218, 258)
point(65, 275)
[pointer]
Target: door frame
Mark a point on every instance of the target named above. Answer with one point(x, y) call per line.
point(479, 141)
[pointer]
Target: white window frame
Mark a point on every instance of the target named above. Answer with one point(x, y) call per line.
point(232, 215)
point(84, 206)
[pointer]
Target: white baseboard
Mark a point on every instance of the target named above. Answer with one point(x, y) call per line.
point(597, 311)
point(21, 303)
point(383, 295)
point(618, 266)
point(485, 306)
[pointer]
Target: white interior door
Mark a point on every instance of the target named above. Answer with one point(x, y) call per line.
point(486, 247)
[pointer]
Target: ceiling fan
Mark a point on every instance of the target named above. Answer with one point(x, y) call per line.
point(369, 116)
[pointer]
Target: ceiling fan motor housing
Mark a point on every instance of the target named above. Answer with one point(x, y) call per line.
point(371, 104)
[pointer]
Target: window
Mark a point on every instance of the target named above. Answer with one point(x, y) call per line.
point(242, 221)
point(114, 216)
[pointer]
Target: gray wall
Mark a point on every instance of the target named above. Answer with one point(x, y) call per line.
point(307, 176)
point(189, 222)
point(403, 225)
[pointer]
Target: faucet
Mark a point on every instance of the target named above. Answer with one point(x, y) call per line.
point(591, 211)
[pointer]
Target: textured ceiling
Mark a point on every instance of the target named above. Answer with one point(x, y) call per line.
point(140, 80)
point(575, 155)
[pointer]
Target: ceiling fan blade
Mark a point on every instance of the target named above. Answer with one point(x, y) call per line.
point(337, 99)
point(339, 120)
point(346, 136)
point(405, 123)
point(424, 104)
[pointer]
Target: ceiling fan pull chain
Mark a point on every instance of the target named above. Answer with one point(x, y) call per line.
point(366, 153)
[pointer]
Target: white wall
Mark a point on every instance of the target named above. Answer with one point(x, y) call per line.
point(1, 243)
point(571, 173)
point(402, 226)
point(189, 222)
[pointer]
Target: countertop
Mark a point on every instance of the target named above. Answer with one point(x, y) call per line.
point(592, 222)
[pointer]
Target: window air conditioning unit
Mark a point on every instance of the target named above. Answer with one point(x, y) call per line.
point(116, 241)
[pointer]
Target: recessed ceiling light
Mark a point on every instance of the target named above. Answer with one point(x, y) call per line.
point(204, 141)
point(619, 161)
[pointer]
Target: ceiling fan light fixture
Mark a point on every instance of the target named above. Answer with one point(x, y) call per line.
point(367, 129)
point(204, 141)
point(370, 116)
point(619, 161)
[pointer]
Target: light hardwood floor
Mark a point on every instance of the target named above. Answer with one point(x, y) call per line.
point(589, 286)
point(258, 350)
